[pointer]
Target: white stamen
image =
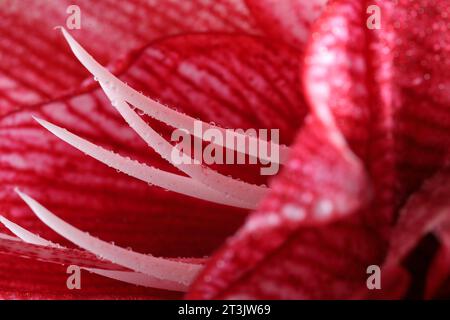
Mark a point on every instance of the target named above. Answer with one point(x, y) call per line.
point(124, 276)
point(154, 108)
point(26, 235)
point(243, 191)
point(160, 178)
point(163, 269)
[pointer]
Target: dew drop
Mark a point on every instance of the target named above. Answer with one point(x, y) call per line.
point(323, 208)
point(293, 212)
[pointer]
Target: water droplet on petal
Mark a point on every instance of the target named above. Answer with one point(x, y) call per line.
point(323, 208)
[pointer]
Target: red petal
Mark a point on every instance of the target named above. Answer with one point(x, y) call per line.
point(366, 104)
point(422, 72)
point(289, 20)
point(438, 281)
point(426, 212)
point(291, 248)
point(291, 260)
point(109, 29)
point(351, 71)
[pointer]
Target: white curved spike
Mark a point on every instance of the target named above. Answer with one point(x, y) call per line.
point(26, 235)
point(243, 191)
point(163, 269)
point(124, 276)
point(154, 108)
point(151, 175)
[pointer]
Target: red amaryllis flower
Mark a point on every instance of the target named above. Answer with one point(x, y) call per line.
point(363, 182)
